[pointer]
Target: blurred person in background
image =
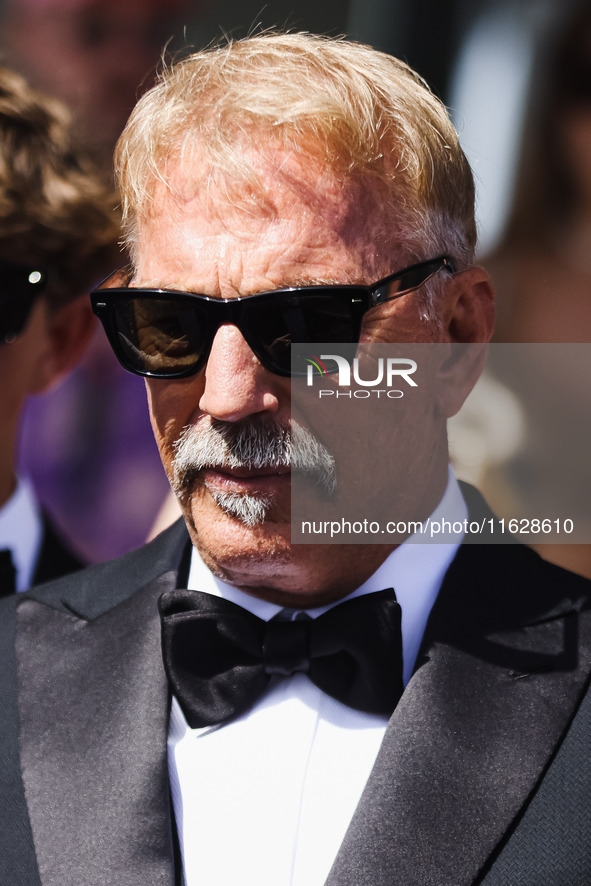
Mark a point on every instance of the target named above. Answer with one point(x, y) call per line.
point(541, 271)
point(542, 265)
point(58, 235)
point(97, 56)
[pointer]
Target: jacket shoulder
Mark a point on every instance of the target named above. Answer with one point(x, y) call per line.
point(98, 588)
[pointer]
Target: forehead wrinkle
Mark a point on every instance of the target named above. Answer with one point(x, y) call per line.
point(343, 201)
point(292, 265)
point(286, 177)
point(322, 230)
point(298, 282)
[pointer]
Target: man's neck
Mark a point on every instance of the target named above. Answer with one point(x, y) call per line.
point(7, 485)
point(303, 576)
point(8, 447)
point(414, 569)
point(364, 562)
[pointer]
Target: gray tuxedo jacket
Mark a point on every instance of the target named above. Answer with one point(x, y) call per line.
point(484, 775)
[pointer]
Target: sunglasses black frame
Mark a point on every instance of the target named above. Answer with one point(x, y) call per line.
point(235, 311)
point(19, 287)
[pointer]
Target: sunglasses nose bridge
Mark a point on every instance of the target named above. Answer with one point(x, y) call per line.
point(245, 315)
point(225, 313)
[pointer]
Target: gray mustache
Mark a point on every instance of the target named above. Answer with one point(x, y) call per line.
point(252, 445)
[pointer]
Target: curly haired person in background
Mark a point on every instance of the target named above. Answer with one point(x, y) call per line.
point(58, 234)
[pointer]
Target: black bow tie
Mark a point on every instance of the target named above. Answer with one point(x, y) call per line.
point(219, 657)
point(7, 574)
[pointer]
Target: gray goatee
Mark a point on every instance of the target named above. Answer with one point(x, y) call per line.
point(253, 445)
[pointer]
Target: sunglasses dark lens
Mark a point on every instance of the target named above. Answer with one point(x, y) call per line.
point(158, 336)
point(19, 287)
point(307, 318)
point(14, 314)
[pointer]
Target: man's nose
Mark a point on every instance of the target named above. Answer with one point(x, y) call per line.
point(236, 384)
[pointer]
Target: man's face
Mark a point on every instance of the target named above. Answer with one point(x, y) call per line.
point(20, 370)
point(314, 230)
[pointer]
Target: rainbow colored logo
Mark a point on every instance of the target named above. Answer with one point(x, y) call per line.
point(316, 364)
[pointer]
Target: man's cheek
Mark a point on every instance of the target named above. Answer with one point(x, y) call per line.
point(166, 433)
point(172, 406)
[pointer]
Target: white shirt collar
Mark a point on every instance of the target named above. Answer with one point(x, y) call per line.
point(21, 531)
point(415, 570)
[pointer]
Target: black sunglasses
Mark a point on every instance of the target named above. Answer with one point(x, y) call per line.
point(19, 287)
point(162, 333)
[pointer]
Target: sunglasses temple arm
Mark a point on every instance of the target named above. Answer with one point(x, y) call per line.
point(378, 299)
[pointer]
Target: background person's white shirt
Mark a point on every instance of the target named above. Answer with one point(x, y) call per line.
point(267, 798)
point(21, 532)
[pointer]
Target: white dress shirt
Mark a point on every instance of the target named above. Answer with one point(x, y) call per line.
point(21, 532)
point(266, 799)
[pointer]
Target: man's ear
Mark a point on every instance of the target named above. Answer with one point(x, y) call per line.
point(68, 331)
point(469, 312)
point(469, 318)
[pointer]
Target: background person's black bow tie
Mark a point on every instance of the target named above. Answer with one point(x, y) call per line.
point(219, 657)
point(7, 574)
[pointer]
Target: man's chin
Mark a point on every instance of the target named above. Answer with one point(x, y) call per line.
point(252, 510)
point(239, 554)
point(242, 523)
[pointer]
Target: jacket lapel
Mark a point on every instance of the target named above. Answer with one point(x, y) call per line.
point(495, 688)
point(93, 707)
point(17, 854)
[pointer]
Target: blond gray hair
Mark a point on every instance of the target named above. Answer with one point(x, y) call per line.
point(353, 109)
